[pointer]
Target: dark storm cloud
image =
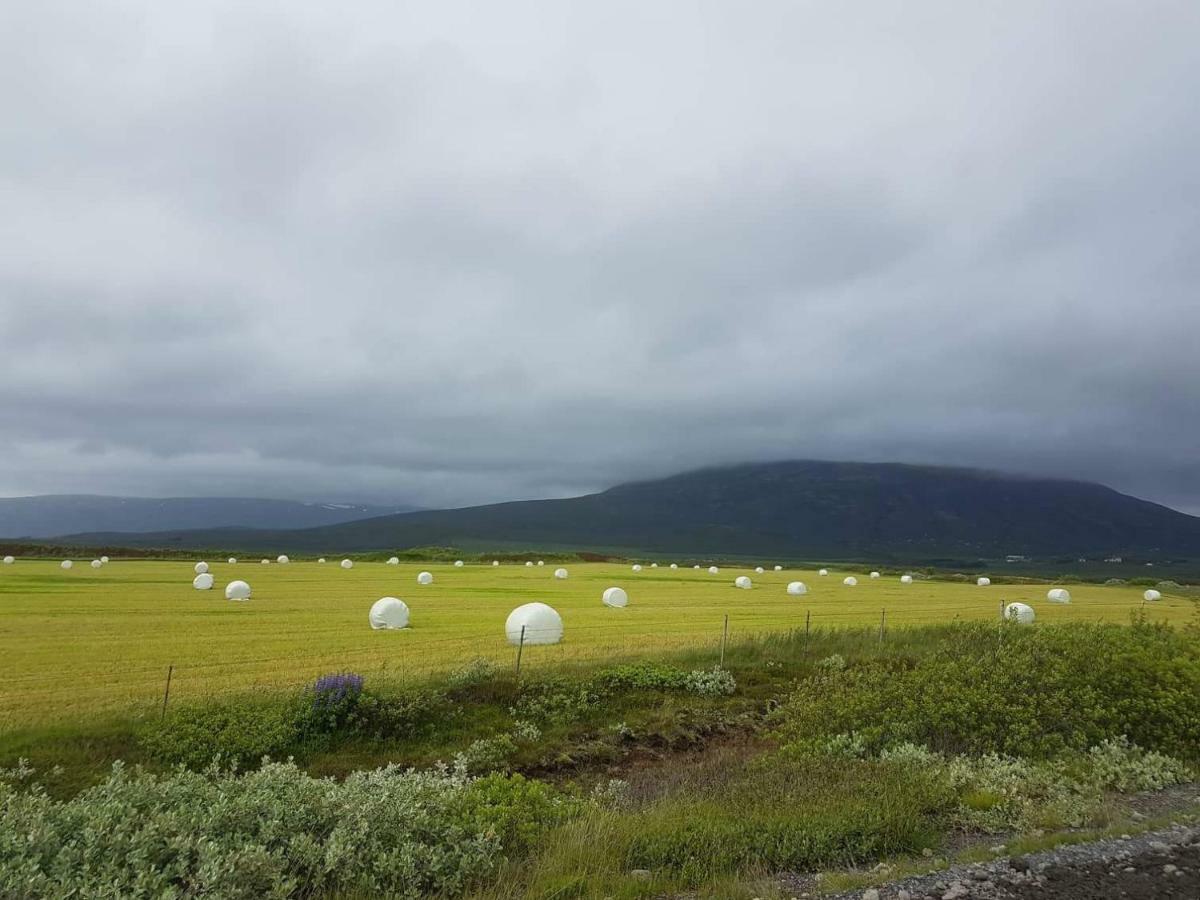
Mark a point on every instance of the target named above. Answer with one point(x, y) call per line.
point(457, 253)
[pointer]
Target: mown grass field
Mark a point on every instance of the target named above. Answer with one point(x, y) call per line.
point(87, 643)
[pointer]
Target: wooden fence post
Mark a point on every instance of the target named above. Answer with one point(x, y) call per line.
point(167, 691)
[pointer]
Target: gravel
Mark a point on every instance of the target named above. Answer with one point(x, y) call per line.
point(1160, 865)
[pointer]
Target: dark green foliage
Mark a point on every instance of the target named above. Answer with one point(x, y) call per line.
point(515, 809)
point(1024, 692)
point(641, 677)
point(241, 731)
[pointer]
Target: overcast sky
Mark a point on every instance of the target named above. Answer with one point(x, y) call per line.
point(453, 253)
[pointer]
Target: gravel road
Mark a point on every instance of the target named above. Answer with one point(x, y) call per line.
point(1159, 865)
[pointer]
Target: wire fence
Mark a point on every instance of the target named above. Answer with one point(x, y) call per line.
point(148, 689)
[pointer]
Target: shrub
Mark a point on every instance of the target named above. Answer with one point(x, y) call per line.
point(1040, 693)
point(834, 663)
point(711, 682)
point(1122, 766)
point(476, 672)
point(486, 755)
point(999, 793)
point(398, 716)
point(641, 677)
point(612, 794)
point(554, 700)
point(239, 731)
point(272, 833)
point(515, 809)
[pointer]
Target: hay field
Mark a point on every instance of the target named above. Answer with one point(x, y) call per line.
point(88, 643)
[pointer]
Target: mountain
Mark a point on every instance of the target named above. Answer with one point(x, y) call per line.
point(50, 515)
point(789, 510)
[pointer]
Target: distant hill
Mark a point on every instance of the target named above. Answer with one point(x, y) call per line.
point(46, 516)
point(790, 510)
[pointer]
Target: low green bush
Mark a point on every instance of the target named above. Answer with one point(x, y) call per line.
point(1020, 692)
point(239, 731)
point(273, 833)
point(1002, 793)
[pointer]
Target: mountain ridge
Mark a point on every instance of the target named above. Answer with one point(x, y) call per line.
point(798, 508)
point(48, 515)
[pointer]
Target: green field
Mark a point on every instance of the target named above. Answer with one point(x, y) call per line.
point(85, 643)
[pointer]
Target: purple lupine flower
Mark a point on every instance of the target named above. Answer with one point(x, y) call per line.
point(336, 690)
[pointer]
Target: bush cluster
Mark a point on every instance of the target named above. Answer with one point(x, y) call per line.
point(275, 832)
point(240, 731)
point(1025, 692)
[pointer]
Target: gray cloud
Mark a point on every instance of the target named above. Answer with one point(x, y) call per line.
point(456, 254)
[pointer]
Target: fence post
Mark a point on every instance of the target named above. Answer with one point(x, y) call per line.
point(882, 621)
point(724, 639)
point(807, 625)
point(167, 691)
point(520, 648)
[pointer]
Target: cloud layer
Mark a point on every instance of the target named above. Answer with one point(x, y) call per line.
point(452, 253)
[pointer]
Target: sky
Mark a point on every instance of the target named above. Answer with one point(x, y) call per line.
point(452, 253)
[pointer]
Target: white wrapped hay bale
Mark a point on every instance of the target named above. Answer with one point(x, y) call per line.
point(983, 581)
point(713, 570)
point(203, 581)
point(539, 623)
point(758, 570)
point(906, 579)
point(1058, 595)
point(458, 564)
point(104, 559)
point(797, 588)
point(66, 564)
point(560, 574)
point(424, 578)
point(347, 564)
point(8, 560)
point(541, 562)
point(266, 562)
point(321, 561)
point(849, 581)
point(779, 568)
point(615, 597)
point(282, 559)
point(874, 574)
point(200, 568)
point(233, 560)
point(823, 572)
point(1021, 613)
point(495, 562)
point(674, 565)
point(96, 564)
point(654, 565)
point(393, 561)
point(743, 582)
point(636, 567)
point(388, 613)
point(1152, 595)
point(237, 590)
point(696, 567)
point(528, 564)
